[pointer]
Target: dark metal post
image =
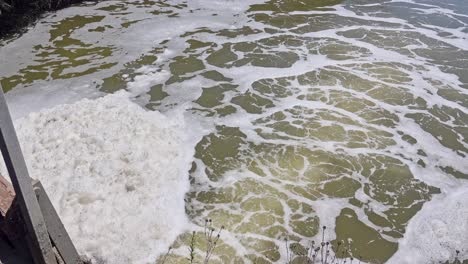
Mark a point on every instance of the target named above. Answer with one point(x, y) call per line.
point(38, 237)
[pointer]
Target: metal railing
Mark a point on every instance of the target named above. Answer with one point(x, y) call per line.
point(43, 226)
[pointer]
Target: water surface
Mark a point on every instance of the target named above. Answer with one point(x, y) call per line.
point(348, 114)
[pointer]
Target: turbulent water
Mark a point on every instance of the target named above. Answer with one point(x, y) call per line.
point(348, 114)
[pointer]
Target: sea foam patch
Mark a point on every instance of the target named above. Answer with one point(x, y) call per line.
point(116, 173)
point(437, 231)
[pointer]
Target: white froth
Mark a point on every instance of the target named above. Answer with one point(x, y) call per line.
point(149, 77)
point(32, 99)
point(116, 173)
point(437, 231)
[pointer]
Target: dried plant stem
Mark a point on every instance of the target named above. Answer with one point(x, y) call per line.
point(166, 255)
point(211, 239)
point(192, 249)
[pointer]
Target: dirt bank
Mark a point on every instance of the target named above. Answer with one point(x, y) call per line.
point(17, 14)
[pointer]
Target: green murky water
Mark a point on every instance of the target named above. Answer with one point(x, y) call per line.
point(341, 113)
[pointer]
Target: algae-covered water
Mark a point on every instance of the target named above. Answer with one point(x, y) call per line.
point(349, 114)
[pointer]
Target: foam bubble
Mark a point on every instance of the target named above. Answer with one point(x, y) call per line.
point(437, 231)
point(116, 173)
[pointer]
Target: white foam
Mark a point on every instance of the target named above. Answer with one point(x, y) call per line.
point(437, 231)
point(116, 173)
point(149, 77)
point(33, 99)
